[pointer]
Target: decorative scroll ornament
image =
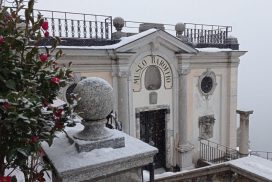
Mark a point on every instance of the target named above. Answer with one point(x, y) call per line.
point(206, 124)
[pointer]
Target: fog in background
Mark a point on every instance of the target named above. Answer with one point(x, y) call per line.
point(251, 21)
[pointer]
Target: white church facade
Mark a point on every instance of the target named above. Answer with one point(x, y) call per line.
point(167, 92)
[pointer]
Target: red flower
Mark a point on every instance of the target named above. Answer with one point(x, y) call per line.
point(58, 113)
point(6, 105)
point(2, 40)
point(5, 179)
point(43, 57)
point(45, 25)
point(55, 80)
point(34, 139)
point(46, 34)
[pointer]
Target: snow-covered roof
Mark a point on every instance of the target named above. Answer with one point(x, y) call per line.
point(124, 41)
point(213, 49)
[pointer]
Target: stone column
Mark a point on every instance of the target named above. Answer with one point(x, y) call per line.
point(185, 148)
point(123, 104)
point(244, 127)
point(115, 91)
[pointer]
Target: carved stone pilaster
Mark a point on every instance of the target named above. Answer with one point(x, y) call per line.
point(123, 99)
point(185, 148)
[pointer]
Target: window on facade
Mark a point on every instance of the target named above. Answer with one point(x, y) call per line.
point(152, 78)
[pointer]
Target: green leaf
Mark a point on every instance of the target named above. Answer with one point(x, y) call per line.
point(24, 152)
point(11, 84)
point(11, 155)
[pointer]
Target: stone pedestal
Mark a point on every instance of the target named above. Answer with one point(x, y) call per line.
point(93, 152)
point(186, 156)
point(113, 141)
point(104, 164)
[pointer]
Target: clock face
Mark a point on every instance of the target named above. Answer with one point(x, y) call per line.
point(206, 84)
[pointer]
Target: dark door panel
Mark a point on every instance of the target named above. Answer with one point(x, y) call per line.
point(153, 132)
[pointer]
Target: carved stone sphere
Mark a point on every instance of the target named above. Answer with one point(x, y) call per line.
point(118, 23)
point(96, 99)
point(180, 27)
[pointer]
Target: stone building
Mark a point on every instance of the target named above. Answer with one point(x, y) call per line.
point(170, 90)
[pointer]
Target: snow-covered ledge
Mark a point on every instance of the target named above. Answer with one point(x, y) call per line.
point(93, 152)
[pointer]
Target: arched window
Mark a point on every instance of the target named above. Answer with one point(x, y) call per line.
point(152, 78)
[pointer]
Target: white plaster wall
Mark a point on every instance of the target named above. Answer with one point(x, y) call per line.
point(216, 104)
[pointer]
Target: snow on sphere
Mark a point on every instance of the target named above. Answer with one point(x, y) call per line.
point(96, 99)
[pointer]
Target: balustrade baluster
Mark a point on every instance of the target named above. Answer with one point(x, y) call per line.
point(60, 26)
point(194, 35)
point(191, 35)
point(72, 28)
point(53, 25)
point(107, 30)
point(84, 28)
point(66, 27)
point(220, 37)
point(78, 29)
point(65, 24)
point(96, 29)
point(207, 153)
point(102, 30)
point(198, 36)
point(90, 29)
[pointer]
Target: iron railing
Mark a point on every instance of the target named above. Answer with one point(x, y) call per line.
point(263, 154)
point(215, 153)
point(206, 34)
point(195, 33)
point(71, 25)
point(76, 25)
point(90, 26)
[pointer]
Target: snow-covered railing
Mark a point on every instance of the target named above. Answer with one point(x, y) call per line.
point(76, 25)
point(195, 33)
point(263, 154)
point(216, 153)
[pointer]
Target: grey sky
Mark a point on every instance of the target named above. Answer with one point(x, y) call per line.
point(251, 22)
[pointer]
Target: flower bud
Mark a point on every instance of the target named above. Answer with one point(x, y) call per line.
point(55, 80)
point(45, 25)
point(46, 34)
point(43, 57)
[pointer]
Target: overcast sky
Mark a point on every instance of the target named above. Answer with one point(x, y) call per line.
point(251, 22)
